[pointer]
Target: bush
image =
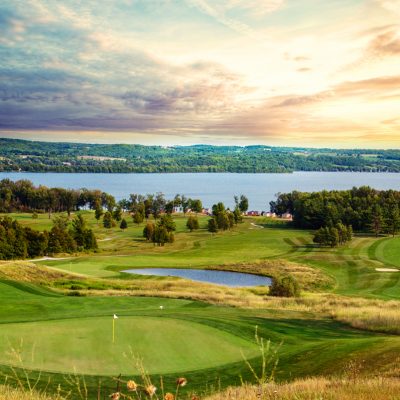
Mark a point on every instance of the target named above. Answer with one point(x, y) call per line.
point(285, 287)
point(192, 223)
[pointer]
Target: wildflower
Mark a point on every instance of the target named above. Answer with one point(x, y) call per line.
point(115, 396)
point(151, 390)
point(181, 382)
point(131, 386)
point(169, 396)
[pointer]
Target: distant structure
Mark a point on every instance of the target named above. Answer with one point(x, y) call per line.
point(268, 214)
point(253, 213)
point(287, 216)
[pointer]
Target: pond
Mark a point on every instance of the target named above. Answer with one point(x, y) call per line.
point(226, 278)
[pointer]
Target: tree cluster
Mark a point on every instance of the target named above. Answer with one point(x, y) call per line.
point(23, 196)
point(162, 232)
point(19, 242)
point(334, 235)
point(222, 218)
point(364, 208)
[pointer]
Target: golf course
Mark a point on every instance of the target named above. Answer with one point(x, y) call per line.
point(57, 313)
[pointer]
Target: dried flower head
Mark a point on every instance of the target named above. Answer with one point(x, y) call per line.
point(131, 386)
point(181, 382)
point(115, 396)
point(169, 396)
point(151, 390)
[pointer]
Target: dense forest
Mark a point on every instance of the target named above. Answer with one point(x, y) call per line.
point(364, 209)
point(22, 155)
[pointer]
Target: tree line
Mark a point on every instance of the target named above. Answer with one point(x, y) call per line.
point(19, 242)
point(33, 156)
point(23, 196)
point(364, 209)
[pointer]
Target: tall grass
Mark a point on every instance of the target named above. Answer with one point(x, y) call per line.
point(318, 389)
point(374, 318)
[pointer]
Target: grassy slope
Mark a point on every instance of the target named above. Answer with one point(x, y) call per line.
point(311, 345)
point(353, 266)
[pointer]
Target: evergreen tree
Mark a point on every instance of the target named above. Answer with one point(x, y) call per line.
point(162, 236)
point(123, 224)
point(212, 225)
point(231, 219)
point(393, 220)
point(237, 215)
point(138, 217)
point(184, 204)
point(107, 220)
point(117, 214)
point(98, 212)
point(378, 222)
point(243, 204)
point(169, 207)
point(60, 238)
point(83, 236)
point(167, 222)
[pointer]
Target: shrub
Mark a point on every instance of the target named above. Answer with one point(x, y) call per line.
point(192, 223)
point(285, 287)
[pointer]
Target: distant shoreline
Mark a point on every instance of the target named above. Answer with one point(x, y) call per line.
point(34, 156)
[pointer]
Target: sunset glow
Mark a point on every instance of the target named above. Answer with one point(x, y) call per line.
point(279, 72)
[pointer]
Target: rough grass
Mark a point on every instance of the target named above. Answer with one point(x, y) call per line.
point(25, 271)
point(318, 389)
point(310, 279)
point(10, 393)
point(382, 318)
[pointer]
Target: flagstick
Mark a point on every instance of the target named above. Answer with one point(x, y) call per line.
point(113, 330)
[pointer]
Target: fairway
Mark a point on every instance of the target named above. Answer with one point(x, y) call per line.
point(85, 345)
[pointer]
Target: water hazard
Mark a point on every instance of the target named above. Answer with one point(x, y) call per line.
point(226, 278)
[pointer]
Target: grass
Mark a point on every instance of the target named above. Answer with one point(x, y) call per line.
point(304, 389)
point(318, 389)
point(167, 344)
point(199, 333)
point(70, 331)
point(351, 268)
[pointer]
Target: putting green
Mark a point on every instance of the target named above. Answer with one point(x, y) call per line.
point(84, 345)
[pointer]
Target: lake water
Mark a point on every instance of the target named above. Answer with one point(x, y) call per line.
point(226, 278)
point(213, 187)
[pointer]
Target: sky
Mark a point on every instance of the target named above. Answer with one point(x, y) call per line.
point(300, 73)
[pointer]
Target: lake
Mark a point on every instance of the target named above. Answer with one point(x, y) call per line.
point(226, 278)
point(213, 187)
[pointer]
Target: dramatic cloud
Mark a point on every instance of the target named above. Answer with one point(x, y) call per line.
point(201, 71)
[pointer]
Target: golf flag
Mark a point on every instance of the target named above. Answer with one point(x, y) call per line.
point(113, 327)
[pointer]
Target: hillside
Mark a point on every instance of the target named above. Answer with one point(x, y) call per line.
point(21, 155)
